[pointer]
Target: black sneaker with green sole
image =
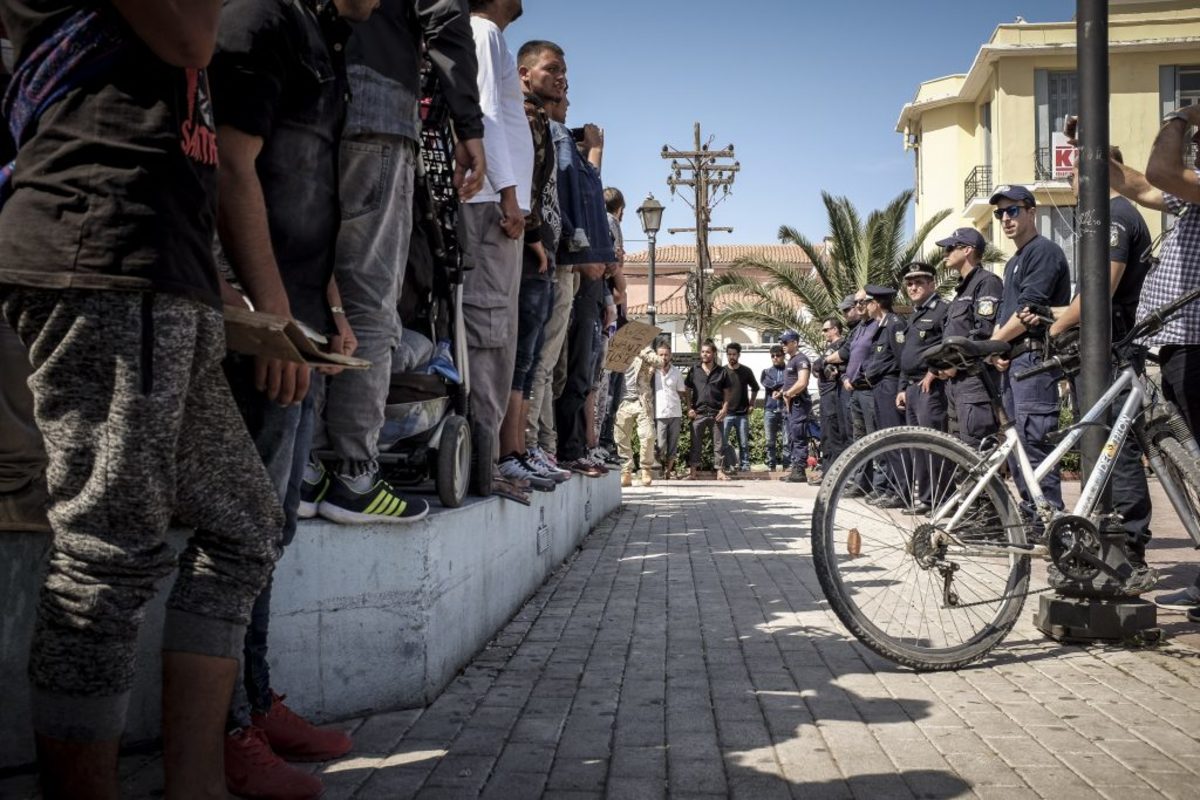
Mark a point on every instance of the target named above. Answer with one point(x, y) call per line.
point(380, 503)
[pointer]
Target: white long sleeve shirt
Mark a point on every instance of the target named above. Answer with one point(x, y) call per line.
point(507, 141)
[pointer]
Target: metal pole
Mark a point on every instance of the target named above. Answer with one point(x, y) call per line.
point(651, 311)
point(1093, 217)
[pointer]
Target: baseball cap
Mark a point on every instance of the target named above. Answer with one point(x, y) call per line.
point(789, 336)
point(1018, 194)
point(847, 303)
point(964, 236)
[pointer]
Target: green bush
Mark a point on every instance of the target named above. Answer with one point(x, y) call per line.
point(1072, 461)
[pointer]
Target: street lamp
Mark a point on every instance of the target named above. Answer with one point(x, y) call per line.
point(650, 213)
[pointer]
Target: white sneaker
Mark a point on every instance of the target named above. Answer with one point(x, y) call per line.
point(514, 469)
point(544, 466)
point(1182, 600)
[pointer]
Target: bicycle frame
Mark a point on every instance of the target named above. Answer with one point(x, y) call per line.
point(1090, 496)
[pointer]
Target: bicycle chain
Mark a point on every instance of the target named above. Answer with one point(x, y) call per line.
point(1003, 597)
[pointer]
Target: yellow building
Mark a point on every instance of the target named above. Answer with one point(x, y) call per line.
point(994, 124)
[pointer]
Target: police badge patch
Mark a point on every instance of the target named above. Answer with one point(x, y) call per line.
point(900, 337)
point(986, 307)
point(1114, 235)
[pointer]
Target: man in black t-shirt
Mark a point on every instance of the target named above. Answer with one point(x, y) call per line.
point(710, 398)
point(743, 388)
point(1129, 246)
point(110, 282)
point(1037, 275)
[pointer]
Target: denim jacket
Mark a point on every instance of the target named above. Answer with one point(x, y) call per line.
point(585, 235)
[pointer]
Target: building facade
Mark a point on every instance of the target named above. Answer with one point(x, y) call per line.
point(995, 124)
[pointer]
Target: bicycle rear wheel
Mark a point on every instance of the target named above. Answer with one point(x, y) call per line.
point(884, 569)
point(1184, 469)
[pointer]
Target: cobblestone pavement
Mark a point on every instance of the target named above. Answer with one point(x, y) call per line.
point(687, 651)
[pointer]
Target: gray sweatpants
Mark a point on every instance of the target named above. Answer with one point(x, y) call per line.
point(372, 257)
point(490, 291)
point(139, 425)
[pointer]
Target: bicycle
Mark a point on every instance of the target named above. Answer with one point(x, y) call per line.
point(937, 583)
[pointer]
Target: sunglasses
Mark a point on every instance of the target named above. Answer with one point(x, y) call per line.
point(950, 248)
point(827, 330)
point(1012, 212)
point(861, 302)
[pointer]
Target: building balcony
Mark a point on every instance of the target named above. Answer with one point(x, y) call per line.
point(978, 184)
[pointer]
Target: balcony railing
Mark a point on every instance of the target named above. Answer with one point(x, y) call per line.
point(977, 184)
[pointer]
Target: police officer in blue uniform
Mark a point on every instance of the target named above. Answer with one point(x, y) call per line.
point(835, 434)
point(798, 403)
point(1037, 276)
point(882, 373)
point(972, 314)
point(922, 394)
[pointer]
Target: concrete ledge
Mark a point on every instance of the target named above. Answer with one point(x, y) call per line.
point(363, 618)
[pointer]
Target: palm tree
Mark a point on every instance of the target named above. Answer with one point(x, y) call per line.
point(856, 254)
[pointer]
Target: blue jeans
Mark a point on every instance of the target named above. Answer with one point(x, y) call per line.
point(741, 424)
point(533, 307)
point(1032, 405)
point(283, 437)
point(775, 427)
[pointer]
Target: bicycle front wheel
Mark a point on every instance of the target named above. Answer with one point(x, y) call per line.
point(899, 577)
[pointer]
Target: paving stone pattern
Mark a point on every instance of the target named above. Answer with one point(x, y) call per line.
point(687, 651)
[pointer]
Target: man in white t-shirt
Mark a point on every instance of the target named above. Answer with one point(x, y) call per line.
point(491, 230)
point(669, 394)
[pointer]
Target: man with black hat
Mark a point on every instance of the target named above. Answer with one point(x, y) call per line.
point(1036, 276)
point(861, 398)
point(882, 373)
point(972, 314)
point(922, 394)
point(798, 403)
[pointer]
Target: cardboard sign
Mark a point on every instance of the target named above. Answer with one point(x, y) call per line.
point(628, 342)
point(255, 333)
point(1064, 155)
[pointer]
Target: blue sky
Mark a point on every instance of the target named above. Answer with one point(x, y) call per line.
point(808, 92)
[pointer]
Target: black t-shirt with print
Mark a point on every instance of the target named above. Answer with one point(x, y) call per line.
point(1129, 242)
point(116, 189)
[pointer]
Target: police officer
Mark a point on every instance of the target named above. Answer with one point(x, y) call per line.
point(1036, 276)
point(972, 314)
point(798, 403)
point(1129, 248)
point(882, 373)
point(922, 394)
point(834, 432)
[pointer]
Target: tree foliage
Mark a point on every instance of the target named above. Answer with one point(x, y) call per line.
point(772, 295)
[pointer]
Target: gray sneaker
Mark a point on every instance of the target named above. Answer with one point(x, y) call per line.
point(1182, 600)
point(25, 509)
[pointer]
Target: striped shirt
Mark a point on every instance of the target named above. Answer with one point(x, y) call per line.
point(1176, 273)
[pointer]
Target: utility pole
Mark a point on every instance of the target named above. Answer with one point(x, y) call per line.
point(709, 174)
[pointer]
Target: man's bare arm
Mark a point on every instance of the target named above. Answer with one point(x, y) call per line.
point(1133, 185)
point(1166, 170)
point(182, 33)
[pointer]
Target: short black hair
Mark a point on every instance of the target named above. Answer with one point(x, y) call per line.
point(614, 201)
point(534, 48)
point(776, 350)
point(835, 322)
point(734, 346)
point(709, 343)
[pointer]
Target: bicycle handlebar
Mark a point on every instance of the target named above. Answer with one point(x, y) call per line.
point(1151, 323)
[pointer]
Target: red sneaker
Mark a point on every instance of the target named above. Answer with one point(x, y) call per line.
point(252, 770)
point(295, 738)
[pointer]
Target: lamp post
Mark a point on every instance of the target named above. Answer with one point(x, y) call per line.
point(650, 213)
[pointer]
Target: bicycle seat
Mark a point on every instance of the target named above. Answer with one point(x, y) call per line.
point(960, 352)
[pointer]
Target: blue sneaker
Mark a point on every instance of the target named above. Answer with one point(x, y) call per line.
point(442, 363)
